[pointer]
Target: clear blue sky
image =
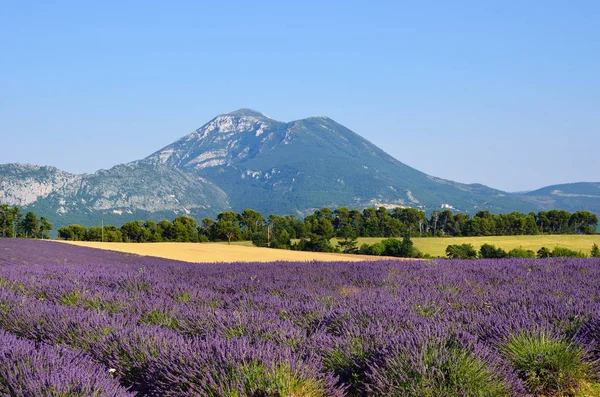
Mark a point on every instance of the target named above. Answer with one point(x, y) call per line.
point(505, 93)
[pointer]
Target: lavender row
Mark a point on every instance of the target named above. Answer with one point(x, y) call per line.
point(30, 369)
point(373, 328)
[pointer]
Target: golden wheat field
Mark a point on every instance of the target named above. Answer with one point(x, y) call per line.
point(216, 252)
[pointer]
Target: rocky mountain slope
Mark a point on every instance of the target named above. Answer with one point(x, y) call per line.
point(124, 192)
point(305, 164)
point(244, 159)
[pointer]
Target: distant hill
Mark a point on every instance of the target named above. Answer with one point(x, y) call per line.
point(244, 159)
point(569, 196)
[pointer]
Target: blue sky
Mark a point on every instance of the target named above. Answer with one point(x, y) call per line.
point(503, 93)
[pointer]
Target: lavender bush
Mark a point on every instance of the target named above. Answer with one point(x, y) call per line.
point(166, 328)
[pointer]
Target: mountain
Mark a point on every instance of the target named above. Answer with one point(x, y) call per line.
point(306, 164)
point(244, 159)
point(124, 192)
point(569, 196)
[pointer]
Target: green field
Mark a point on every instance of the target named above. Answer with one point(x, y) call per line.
point(436, 246)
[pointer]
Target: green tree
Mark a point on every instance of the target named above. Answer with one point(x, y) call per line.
point(29, 227)
point(314, 242)
point(9, 217)
point(348, 245)
point(72, 233)
point(461, 251)
point(401, 248)
point(583, 222)
point(543, 222)
point(45, 228)
point(489, 251)
point(135, 232)
point(227, 227)
point(185, 229)
point(251, 222)
point(281, 240)
point(342, 224)
point(558, 221)
point(595, 253)
point(166, 231)
point(529, 225)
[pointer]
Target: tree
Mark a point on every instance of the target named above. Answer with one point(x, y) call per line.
point(135, 232)
point(185, 229)
point(348, 245)
point(281, 240)
point(45, 228)
point(542, 222)
point(341, 223)
point(595, 253)
point(401, 248)
point(29, 227)
point(72, 233)
point(227, 226)
point(315, 243)
point(414, 219)
point(370, 223)
point(558, 221)
point(319, 226)
point(260, 239)
point(461, 251)
point(9, 217)
point(489, 251)
point(583, 222)
point(529, 225)
point(251, 222)
point(165, 230)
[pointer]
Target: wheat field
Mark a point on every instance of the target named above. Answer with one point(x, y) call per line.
point(217, 252)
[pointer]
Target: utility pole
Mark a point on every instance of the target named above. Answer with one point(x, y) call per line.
point(103, 229)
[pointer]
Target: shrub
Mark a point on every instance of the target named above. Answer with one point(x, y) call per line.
point(544, 253)
point(376, 249)
point(562, 252)
point(489, 251)
point(521, 253)
point(282, 240)
point(548, 366)
point(595, 253)
point(461, 251)
point(260, 239)
point(401, 248)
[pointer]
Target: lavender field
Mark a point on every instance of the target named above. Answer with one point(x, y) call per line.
point(81, 322)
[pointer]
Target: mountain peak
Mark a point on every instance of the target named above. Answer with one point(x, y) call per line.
point(245, 112)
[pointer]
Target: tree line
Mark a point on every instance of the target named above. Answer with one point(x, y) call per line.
point(315, 230)
point(14, 224)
